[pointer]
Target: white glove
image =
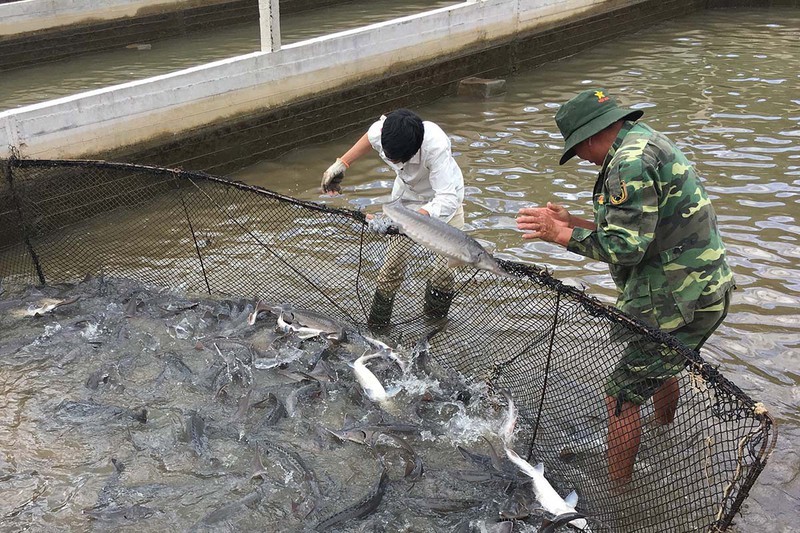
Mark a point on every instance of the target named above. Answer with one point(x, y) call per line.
point(332, 177)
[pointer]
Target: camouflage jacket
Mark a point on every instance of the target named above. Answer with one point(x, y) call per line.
point(657, 230)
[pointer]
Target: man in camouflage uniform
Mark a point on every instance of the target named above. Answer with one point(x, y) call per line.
point(655, 227)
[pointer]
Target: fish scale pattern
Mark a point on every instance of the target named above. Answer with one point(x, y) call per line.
point(552, 346)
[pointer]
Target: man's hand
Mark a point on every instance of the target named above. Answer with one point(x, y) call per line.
point(559, 213)
point(549, 223)
point(332, 178)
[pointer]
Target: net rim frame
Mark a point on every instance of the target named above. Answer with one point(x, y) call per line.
point(693, 361)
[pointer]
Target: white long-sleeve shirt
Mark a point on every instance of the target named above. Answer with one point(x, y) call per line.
point(431, 177)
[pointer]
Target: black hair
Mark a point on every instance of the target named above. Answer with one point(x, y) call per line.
point(401, 136)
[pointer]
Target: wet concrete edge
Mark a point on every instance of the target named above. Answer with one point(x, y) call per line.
point(68, 41)
point(243, 140)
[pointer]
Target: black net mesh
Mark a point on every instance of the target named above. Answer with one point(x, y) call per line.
point(550, 345)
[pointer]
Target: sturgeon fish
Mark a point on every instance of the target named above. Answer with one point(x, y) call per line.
point(371, 384)
point(369, 434)
point(276, 412)
point(559, 521)
point(130, 513)
point(386, 350)
point(307, 324)
point(47, 305)
point(227, 511)
point(491, 466)
point(420, 354)
point(443, 239)
point(196, 433)
point(510, 422)
point(545, 494)
point(363, 507)
point(294, 460)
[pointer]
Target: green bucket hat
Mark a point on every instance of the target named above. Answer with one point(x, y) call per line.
point(589, 113)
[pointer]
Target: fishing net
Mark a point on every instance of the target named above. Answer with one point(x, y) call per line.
point(550, 345)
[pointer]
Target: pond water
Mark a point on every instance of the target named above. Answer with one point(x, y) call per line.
point(723, 84)
point(185, 446)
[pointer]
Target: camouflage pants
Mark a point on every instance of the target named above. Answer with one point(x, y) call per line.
point(643, 369)
point(394, 266)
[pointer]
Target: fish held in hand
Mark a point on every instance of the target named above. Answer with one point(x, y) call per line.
point(442, 238)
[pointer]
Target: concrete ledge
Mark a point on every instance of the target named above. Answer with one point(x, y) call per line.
point(245, 139)
point(178, 103)
point(33, 16)
point(231, 113)
point(32, 31)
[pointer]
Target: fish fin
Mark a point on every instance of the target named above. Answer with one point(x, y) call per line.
point(551, 523)
point(392, 391)
point(539, 468)
point(571, 499)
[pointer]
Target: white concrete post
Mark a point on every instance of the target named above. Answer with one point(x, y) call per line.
point(270, 23)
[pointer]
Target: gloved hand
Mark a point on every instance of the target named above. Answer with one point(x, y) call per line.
point(332, 177)
point(382, 225)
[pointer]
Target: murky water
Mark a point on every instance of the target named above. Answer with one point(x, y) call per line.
point(724, 86)
point(55, 79)
point(134, 408)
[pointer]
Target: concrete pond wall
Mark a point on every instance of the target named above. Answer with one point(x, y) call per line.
point(233, 112)
point(45, 30)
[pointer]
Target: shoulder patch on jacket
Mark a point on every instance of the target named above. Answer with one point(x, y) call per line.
point(622, 197)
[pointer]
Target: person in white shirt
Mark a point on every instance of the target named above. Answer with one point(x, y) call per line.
point(428, 180)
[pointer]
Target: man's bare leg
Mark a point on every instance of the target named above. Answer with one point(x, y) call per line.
point(624, 436)
point(665, 401)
